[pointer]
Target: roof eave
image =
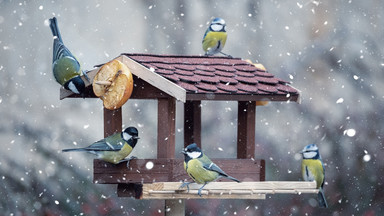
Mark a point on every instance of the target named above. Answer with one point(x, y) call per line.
point(243, 97)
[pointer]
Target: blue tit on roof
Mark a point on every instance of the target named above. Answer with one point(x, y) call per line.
point(215, 37)
point(312, 169)
point(66, 69)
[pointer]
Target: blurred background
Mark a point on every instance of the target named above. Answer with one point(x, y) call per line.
point(330, 50)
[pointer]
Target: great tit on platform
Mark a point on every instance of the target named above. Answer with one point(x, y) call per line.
point(200, 168)
point(115, 148)
point(66, 68)
point(312, 169)
point(215, 37)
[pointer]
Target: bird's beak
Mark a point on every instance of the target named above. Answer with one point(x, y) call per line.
point(135, 137)
point(183, 152)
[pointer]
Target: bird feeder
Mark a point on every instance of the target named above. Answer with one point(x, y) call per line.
point(192, 79)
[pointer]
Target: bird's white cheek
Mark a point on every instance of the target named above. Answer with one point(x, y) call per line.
point(194, 154)
point(309, 154)
point(73, 88)
point(126, 136)
point(216, 27)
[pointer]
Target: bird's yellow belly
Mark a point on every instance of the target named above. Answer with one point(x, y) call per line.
point(212, 39)
point(312, 170)
point(115, 157)
point(200, 175)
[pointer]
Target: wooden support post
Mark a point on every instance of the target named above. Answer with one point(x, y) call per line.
point(112, 121)
point(192, 123)
point(166, 124)
point(166, 119)
point(246, 129)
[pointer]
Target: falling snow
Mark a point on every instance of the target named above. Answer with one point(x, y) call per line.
point(350, 132)
point(330, 51)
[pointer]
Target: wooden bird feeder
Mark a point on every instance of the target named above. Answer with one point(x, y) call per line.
point(191, 79)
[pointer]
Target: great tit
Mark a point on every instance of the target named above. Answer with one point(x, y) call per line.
point(200, 168)
point(312, 169)
point(115, 148)
point(215, 37)
point(66, 68)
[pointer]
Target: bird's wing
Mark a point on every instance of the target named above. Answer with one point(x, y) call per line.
point(60, 50)
point(322, 164)
point(213, 167)
point(111, 143)
point(205, 34)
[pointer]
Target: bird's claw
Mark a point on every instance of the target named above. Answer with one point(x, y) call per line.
point(86, 75)
point(128, 160)
point(199, 192)
point(226, 55)
point(185, 184)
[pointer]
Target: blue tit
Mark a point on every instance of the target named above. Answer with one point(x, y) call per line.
point(215, 37)
point(66, 68)
point(312, 169)
point(115, 148)
point(200, 168)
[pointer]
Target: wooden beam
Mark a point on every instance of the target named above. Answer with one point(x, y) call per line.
point(154, 79)
point(246, 185)
point(244, 97)
point(170, 170)
point(166, 120)
point(192, 194)
point(112, 121)
point(192, 123)
point(246, 121)
point(130, 190)
point(143, 90)
point(262, 172)
point(226, 190)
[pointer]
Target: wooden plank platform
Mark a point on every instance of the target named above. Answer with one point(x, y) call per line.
point(224, 190)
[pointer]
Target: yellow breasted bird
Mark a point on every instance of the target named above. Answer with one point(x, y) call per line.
point(215, 37)
point(66, 68)
point(312, 169)
point(115, 148)
point(200, 168)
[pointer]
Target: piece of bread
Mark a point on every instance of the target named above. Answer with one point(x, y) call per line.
point(113, 84)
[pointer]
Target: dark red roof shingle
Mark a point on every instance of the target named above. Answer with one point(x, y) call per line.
point(218, 75)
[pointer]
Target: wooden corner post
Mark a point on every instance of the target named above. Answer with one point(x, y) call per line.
point(192, 123)
point(166, 124)
point(166, 128)
point(246, 119)
point(112, 121)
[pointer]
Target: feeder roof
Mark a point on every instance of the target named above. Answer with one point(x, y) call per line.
point(217, 76)
point(213, 78)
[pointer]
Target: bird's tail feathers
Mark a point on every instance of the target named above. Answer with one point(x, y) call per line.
point(321, 198)
point(74, 149)
point(233, 179)
point(55, 28)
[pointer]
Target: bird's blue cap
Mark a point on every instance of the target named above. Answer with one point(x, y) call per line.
point(218, 20)
point(310, 147)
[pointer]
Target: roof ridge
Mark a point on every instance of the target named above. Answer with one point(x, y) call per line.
point(178, 56)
